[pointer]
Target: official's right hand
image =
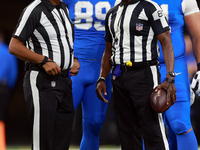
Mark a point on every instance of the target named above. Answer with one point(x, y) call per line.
point(171, 91)
point(101, 87)
point(52, 68)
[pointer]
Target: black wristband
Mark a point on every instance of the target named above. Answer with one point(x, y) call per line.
point(170, 80)
point(198, 66)
point(100, 79)
point(45, 60)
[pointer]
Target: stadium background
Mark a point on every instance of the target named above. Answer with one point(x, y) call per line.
point(17, 123)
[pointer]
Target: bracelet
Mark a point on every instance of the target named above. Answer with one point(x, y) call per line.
point(100, 79)
point(198, 66)
point(170, 80)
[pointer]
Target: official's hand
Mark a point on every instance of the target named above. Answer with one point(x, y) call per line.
point(51, 68)
point(75, 69)
point(171, 91)
point(195, 85)
point(101, 87)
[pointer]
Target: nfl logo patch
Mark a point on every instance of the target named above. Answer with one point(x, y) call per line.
point(53, 83)
point(139, 26)
point(114, 77)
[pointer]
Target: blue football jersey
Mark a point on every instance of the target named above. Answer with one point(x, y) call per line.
point(174, 13)
point(88, 18)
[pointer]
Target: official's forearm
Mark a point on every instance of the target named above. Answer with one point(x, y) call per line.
point(17, 48)
point(169, 58)
point(106, 66)
point(167, 48)
point(105, 62)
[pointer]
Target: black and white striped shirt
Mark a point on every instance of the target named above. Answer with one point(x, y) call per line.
point(132, 29)
point(47, 30)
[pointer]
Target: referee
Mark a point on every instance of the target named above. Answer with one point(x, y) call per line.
point(44, 39)
point(133, 28)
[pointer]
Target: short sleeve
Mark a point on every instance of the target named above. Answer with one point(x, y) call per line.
point(108, 36)
point(189, 7)
point(158, 20)
point(27, 23)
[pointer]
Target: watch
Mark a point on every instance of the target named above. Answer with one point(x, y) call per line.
point(171, 73)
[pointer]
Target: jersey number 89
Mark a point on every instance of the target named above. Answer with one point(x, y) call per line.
point(87, 15)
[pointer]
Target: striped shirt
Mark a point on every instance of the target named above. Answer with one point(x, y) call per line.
point(132, 29)
point(47, 30)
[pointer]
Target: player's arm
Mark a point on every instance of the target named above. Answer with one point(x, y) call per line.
point(17, 48)
point(193, 25)
point(168, 53)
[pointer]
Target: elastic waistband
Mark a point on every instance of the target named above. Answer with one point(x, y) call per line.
point(36, 67)
point(138, 65)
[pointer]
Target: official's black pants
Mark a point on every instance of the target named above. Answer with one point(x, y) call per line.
point(136, 120)
point(50, 108)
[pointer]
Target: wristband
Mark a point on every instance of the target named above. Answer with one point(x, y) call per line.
point(45, 60)
point(198, 66)
point(170, 80)
point(101, 79)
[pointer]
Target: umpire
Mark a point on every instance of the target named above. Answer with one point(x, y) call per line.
point(44, 39)
point(133, 28)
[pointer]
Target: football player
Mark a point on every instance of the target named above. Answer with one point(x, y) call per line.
point(88, 18)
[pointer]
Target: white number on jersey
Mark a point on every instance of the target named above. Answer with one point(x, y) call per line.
point(88, 14)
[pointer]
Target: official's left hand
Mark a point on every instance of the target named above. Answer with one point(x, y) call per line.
point(75, 69)
point(195, 85)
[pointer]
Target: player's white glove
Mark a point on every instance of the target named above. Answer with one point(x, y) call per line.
point(195, 85)
point(192, 96)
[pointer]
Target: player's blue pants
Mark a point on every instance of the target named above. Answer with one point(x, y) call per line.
point(93, 109)
point(177, 118)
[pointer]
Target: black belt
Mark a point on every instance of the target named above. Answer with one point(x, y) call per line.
point(138, 65)
point(37, 67)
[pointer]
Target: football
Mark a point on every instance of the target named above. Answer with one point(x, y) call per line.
point(158, 100)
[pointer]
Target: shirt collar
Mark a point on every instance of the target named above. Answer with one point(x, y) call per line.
point(49, 4)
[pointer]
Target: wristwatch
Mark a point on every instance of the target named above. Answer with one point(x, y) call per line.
point(171, 73)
